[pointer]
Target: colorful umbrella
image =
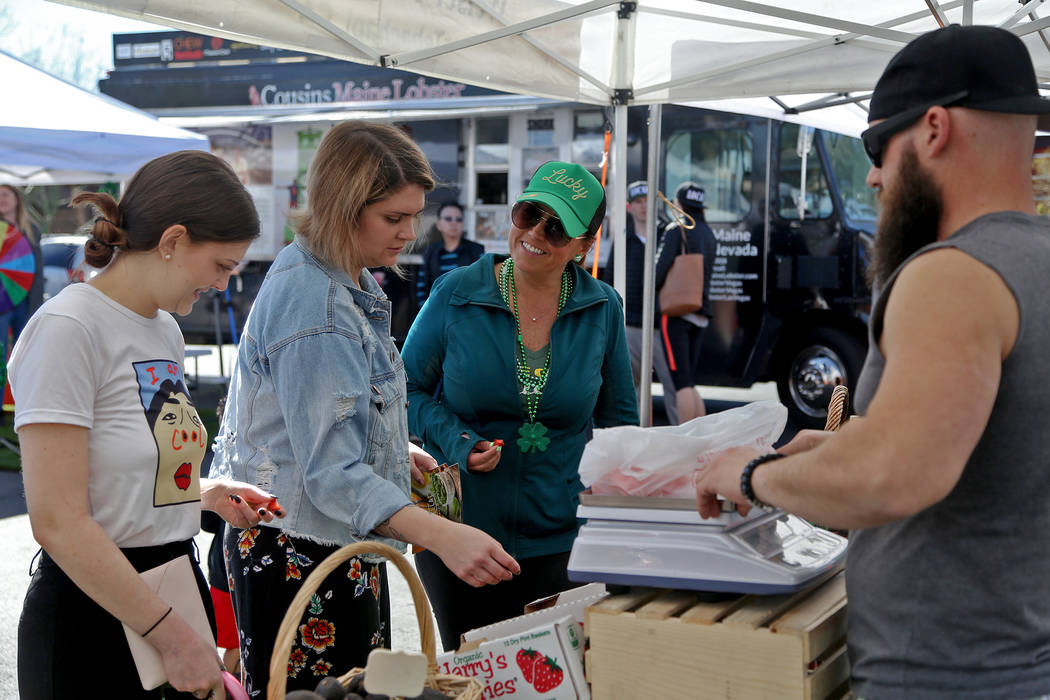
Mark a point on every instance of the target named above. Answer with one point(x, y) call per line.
point(17, 267)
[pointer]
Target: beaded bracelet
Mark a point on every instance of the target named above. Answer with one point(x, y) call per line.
point(157, 622)
point(745, 478)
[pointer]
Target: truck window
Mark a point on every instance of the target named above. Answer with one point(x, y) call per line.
point(849, 169)
point(818, 194)
point(719, 160)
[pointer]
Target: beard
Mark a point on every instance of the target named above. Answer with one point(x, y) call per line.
point(909, 218)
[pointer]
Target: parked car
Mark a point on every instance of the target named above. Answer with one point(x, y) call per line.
point(64, 262)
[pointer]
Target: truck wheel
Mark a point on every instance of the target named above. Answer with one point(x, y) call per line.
point(813, 367)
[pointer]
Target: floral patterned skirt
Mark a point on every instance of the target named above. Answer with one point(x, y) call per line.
point(348, 616)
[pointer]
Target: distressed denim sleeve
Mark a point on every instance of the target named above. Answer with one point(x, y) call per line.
point(423, 354)
point(323, 384)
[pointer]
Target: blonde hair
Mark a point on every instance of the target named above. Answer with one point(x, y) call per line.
point(358, 163)
point(21, 222)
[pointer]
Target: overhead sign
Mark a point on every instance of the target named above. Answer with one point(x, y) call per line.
point(173, 47)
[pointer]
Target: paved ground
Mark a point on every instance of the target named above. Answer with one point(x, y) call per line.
point(19, 546)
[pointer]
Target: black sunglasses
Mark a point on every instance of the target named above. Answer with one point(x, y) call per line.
point(876, 137)
point(525, 215)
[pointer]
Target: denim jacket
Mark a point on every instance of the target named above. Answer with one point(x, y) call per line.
point(316, 410)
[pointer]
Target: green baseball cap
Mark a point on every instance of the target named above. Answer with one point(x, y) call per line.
point(572, 192)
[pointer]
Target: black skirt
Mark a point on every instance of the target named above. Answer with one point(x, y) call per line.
point(348, 615)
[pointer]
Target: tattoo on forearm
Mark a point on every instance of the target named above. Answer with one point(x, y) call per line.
point(388, 530)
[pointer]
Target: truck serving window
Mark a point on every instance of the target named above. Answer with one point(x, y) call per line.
point(789, 180)
point(849, 168)
point(720, 161)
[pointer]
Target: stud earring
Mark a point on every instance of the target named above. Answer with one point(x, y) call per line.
point(168, 256)
point(578, 258)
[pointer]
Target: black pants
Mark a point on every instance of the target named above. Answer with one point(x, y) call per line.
point(459, 607)
point(70, 647)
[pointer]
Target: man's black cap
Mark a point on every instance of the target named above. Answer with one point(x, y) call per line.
point(990, 65)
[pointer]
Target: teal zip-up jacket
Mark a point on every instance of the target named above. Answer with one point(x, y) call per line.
point(462, 348)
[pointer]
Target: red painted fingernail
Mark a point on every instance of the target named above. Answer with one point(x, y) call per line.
point(234, 497)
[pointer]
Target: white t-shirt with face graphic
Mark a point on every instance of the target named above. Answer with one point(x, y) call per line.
point(85, 360)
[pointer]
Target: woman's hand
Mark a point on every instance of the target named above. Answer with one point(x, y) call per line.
point(474, 556)
point(422, 462)
point(485, 456)
point(241, 505)
point(190, 663)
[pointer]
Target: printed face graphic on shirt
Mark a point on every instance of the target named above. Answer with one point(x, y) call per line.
point(177, 430)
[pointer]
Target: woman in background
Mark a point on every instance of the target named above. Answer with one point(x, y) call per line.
point(683, 336)
point(452, 251)
point(531, 350)
point(111, 440)
point(13, 211)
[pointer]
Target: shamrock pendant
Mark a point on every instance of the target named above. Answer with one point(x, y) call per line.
point(533, 437)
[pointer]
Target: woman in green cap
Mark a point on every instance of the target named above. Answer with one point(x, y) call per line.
point(511, 363)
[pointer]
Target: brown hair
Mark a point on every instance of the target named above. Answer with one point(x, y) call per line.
point(193, 188)
point(358, 163)
point(21, 221)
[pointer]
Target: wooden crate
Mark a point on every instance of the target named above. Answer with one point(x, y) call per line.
point(656, 643)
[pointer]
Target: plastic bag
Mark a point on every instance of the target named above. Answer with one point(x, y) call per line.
point(634, 461)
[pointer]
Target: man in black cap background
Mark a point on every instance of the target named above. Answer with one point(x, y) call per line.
point(634, 294)
point(946, 479)
point(682, 336)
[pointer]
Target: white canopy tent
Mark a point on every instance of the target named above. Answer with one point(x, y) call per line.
point(58, 133)
point(612, 52)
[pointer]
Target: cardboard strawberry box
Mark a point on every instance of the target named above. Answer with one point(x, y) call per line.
point(544, 662)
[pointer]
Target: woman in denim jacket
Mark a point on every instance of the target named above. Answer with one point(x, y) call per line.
point(316, 415)
point(531, 350)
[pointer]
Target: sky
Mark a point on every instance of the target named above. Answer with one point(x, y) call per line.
point(74, 44)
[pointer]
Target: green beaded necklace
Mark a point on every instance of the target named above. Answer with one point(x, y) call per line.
point(533, 433)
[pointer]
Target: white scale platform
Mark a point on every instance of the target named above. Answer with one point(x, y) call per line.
point(663, 542)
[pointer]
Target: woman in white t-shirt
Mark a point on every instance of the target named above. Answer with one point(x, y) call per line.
point(111, 441)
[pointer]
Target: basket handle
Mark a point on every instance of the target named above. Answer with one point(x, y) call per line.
point(837, 408)
point(278, 684)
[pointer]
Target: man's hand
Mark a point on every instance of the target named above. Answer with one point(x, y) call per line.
point(721, 477)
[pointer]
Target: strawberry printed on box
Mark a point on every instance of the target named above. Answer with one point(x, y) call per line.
point(541, 663)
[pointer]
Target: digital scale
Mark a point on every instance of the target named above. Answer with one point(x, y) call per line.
point(663, 542)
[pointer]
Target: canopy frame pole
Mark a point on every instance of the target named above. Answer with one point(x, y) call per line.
point(1032, 27)
point(732, 22)
point(938, 14)
point(545, 50)
point(967, 12)
point(645, 402)
point(820, 43)
point(335, 31)
point(1026, 11)
point(409, 57)
point(878, 31)
point(750, 63)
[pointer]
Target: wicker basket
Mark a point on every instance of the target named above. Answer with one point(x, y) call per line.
point(460, 687)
